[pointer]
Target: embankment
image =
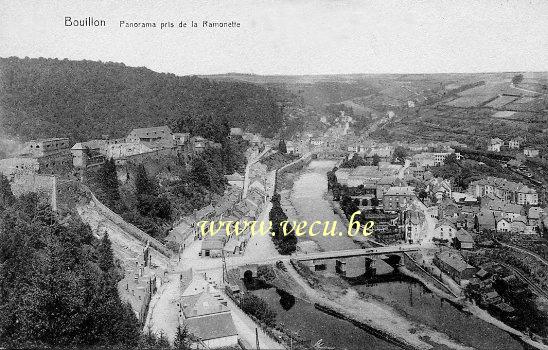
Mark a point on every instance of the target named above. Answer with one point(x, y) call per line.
point(129, 228)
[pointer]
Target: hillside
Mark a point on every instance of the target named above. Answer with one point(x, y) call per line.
point(86, 99)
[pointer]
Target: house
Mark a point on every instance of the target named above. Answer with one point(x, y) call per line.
point(417, 172)
point(463, 240)
point(485, 220)
point(429, 159)
point(368, 175)
point(506, 190)
point(87, 153)
point(504, 311)
point(531, 230)
point(235, 180)
point(503, 225)
point(197, 145)
point(236, 132)
point(462, 221)
point(518, 225)
point(212, 246)
point(137, 287)
point(448, 209)
point(208, 318)
point(413, 223)
point(530, 152)
point(439, 188)
point(126, 149)
point(181, 138)
point(445, 230)
point(396, 198)
point(515, 143)
point(495, 145)
point(506, 210)
point(464, 198)
point(490, 298)
point(158, 134)
point(534, 216)
point(383, 153)
point(453, 264)
point(44, 156)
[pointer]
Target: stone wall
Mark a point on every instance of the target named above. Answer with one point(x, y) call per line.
point(129, 228)
point(298, 164)
point(154, 155)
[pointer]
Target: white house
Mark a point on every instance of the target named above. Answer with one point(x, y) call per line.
point(503, 225)
point(495, 145)
point(445, 230)
point(514, 143)
point(530, 152)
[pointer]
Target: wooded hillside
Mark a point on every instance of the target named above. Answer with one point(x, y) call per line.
point(86, 99)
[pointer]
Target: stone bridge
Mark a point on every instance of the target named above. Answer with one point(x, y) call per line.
point(349, 263)
point(355, 262)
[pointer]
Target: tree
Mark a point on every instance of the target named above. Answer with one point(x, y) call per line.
point(108, 180)
point(143, 185)
point(451, 159)
point(400, 154)
point(516, 79)
point(58, 283)
point(200, 173)
point(282, 148)
point(182, 338)
point(257, 307)
point(376, 160)
point(6, 195)
point(106, 257)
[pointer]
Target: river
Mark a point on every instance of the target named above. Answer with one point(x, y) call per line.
point(407, 296)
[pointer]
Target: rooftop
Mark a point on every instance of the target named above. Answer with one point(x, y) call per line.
point(454, 260)
point(212, 326)
point(400, 191)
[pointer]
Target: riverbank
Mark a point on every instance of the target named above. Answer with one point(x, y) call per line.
point(369, 312)
point(398, 317)
point(485, 316)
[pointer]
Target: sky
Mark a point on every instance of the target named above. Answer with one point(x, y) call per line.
point(287, 36)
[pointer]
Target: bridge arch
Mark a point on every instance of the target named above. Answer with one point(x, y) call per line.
point(248, 272)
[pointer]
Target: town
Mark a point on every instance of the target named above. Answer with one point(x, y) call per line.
point(446, 235)
point(149, 199)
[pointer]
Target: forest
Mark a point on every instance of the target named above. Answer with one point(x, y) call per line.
point(57, 281)
point(83, 100)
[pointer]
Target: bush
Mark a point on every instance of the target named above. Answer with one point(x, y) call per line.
point(257, 307)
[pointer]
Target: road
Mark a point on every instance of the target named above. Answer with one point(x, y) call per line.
point(247, 168)
point(431, 223)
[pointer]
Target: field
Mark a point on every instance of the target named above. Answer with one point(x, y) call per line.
point(469, 101)
point(503, 114)
point(501, 101)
